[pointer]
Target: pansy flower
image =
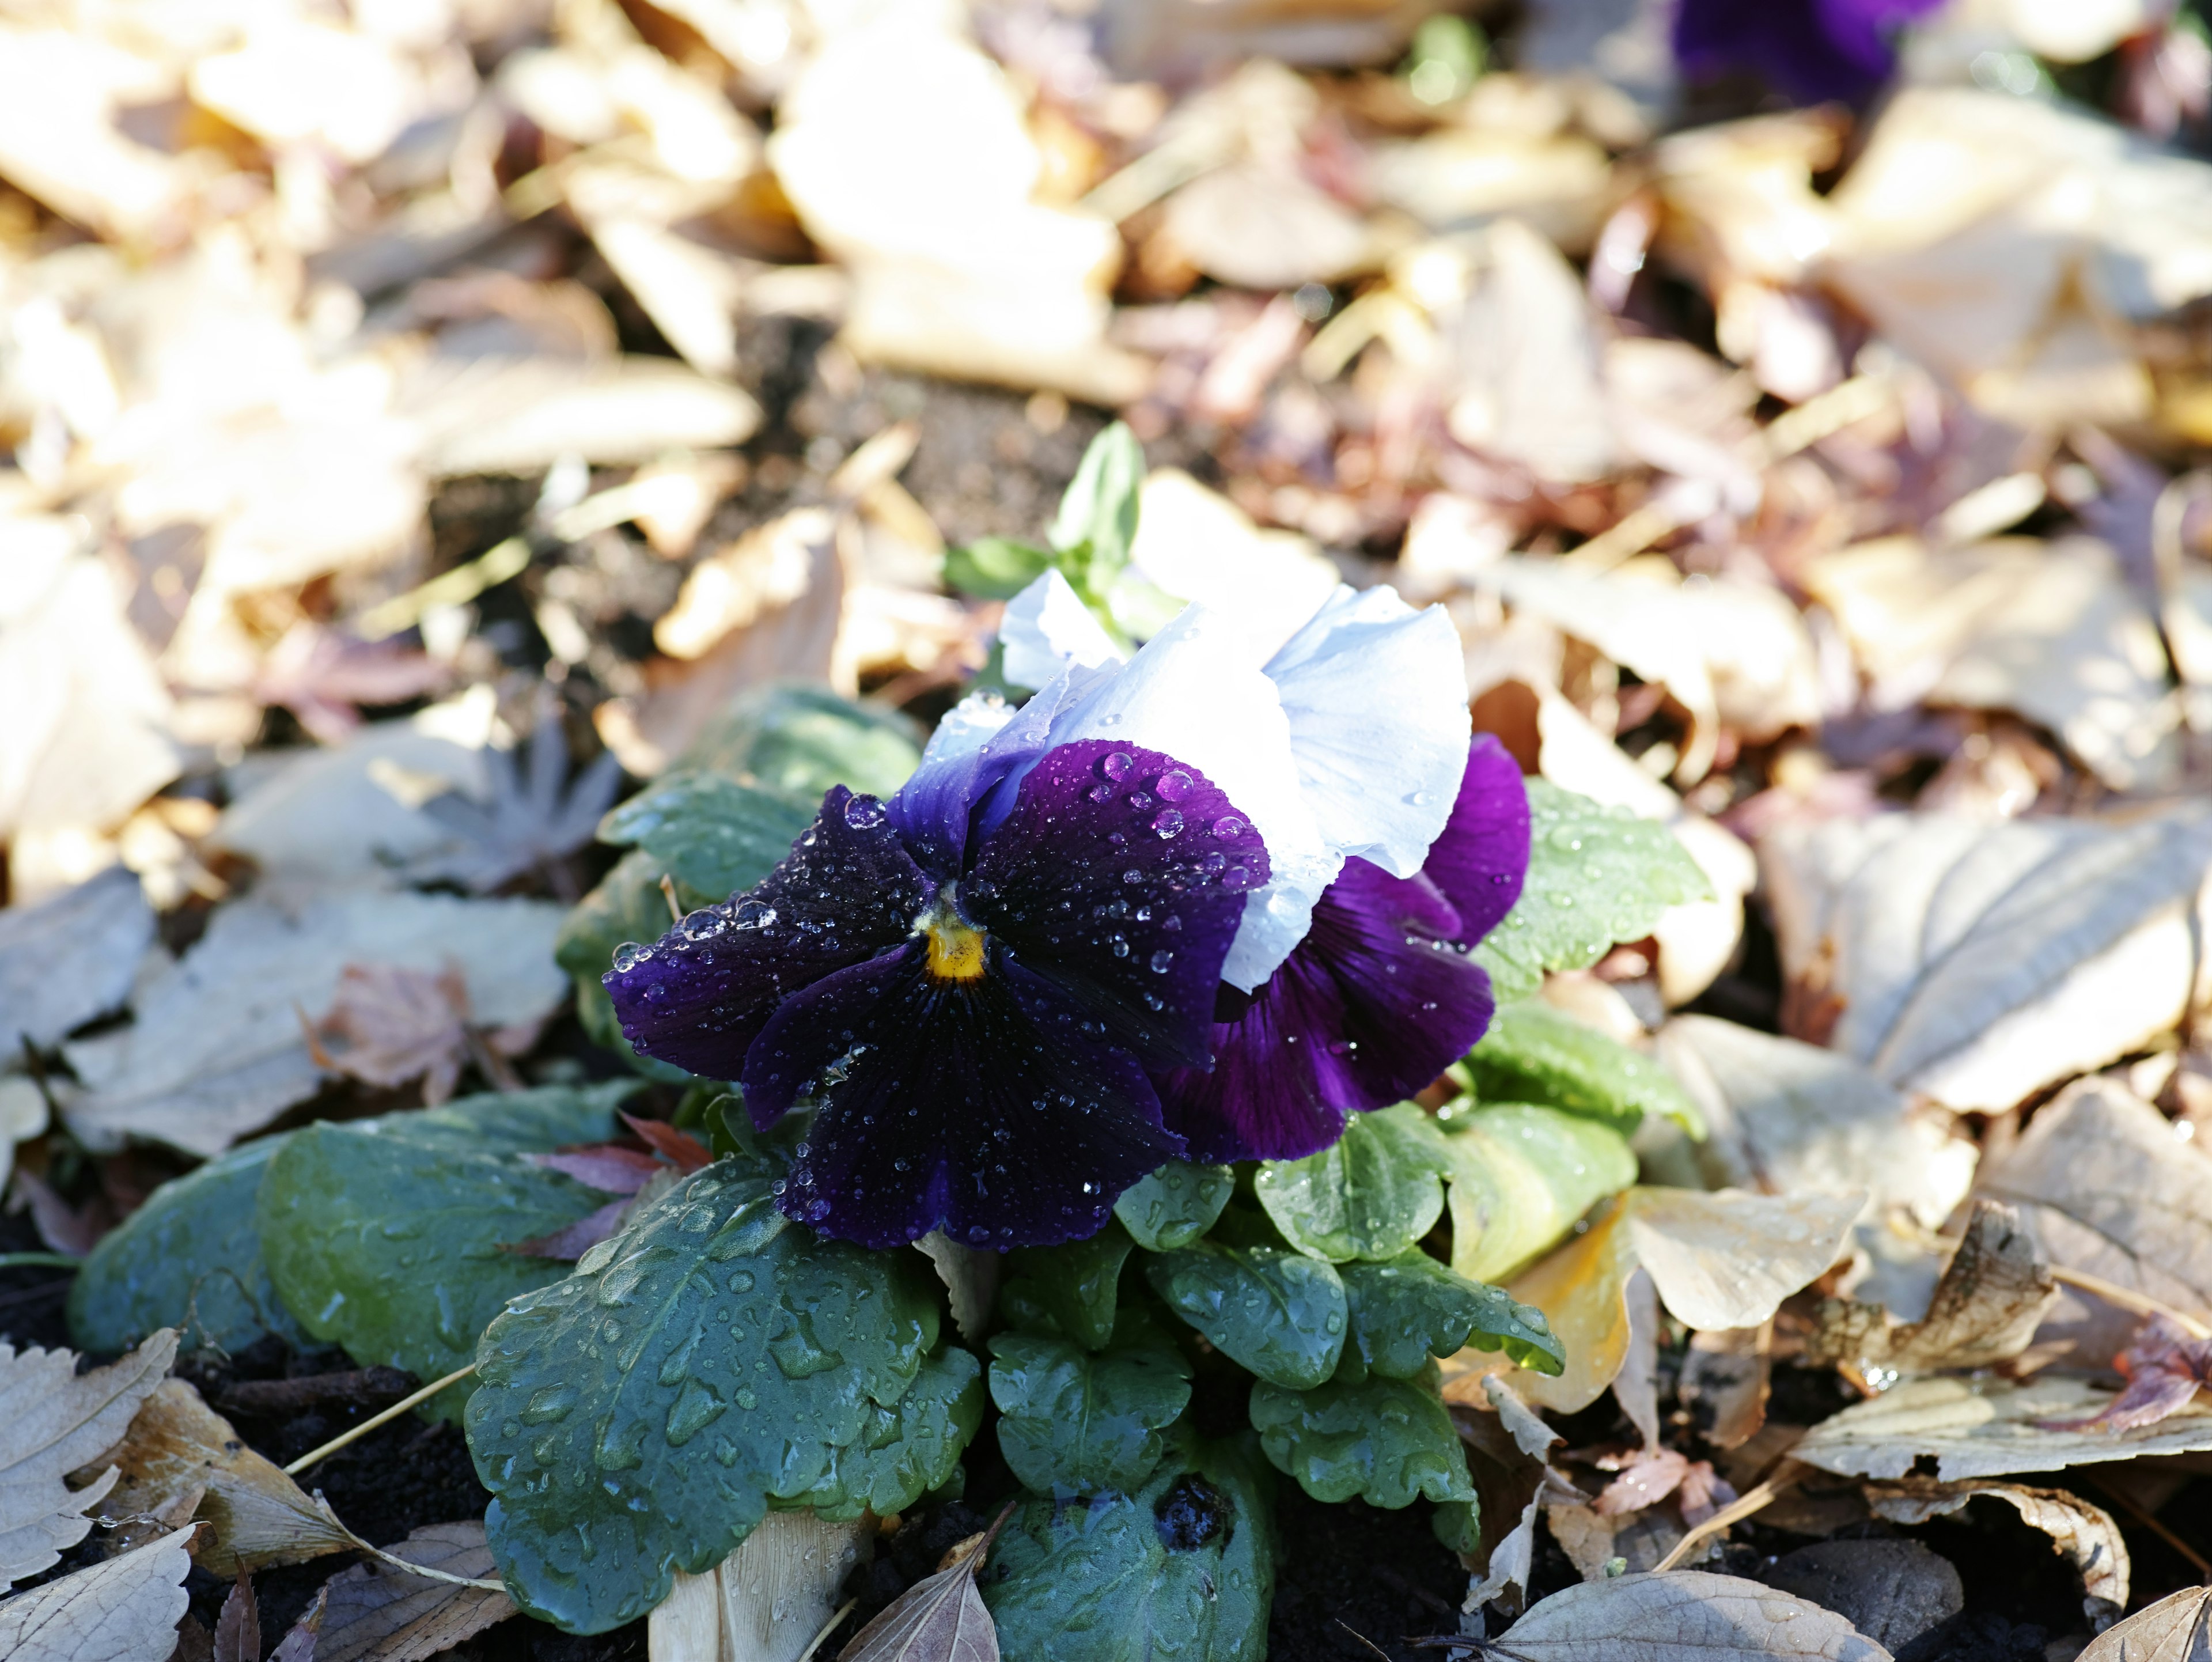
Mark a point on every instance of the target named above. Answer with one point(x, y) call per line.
point(1813, 49)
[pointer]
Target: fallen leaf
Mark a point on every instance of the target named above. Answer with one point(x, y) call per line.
point(2109, 1189)
point(320, 676)
point(178, 1445)
point(2085, 1536)
point(1975, 963)
point(1987, 1306)
point(216, 1049)
point(610, 1167)
point(525, 820)
point(237, 1626)
point(2052, 631)
point(971, 1278)
point(388, 1024)
point(53, 1422)
point(1789, 1118)
point(1724, 1382)
point(22, 1115)
point(522, 415)
point(377, 1612)
point(940, 1618)
point(1507, 1451)
point(2177, 1628)
point(768, 1601)
point(1681, 1616)
point(677, 1147)
point(121, 1609)
point(2163, 1368)
point(1985, 1428)
point(72, 956)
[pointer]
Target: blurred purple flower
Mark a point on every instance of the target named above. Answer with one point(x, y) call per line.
point(1813, 50)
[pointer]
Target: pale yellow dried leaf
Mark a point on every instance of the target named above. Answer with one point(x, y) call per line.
point(941, 1619)
point(121, 1609)
point(1991, 1298)
point(2084, 1535)
point(766, 1601)
point(971, 1278)
point(1988, 1428)
point(1728, 1259)
point(52, 1422)
point(1684, 1615)
point(2177, 1628)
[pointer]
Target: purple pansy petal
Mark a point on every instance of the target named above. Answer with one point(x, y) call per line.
point(1120, 877)
point(1482, 857)
point(1373, 1005)
point(847, 890)
point(1811, 49)
point(977, 1107)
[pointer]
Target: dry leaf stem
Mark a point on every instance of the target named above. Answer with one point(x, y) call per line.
point(313, 1455)
point(2144, 1515)
point(1735, 1512)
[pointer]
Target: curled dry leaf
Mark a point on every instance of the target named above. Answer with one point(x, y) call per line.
point(1992, 1297)
point(2177, 1628)
point(377, 1612)
point(238, 1627)
point(2165, 1367)
point(178, 1445)
point(1724, 1382)
point(53, 1422)
point(1506, 1455)
point(768, 1600)
point(971, 1278)
point(1684, 1615)
point(2082, 1534)
point(1988, 1428)
point(941, 1618)
point(123, 1609)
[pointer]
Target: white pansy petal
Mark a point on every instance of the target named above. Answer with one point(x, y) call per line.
point(1048, 629)
point(1198, 694)
point(1376, 695)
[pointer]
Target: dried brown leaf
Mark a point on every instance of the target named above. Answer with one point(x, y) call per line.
point(376, 1612)
point(1988, 1428)
point(238, 1628)
point(680, 1147)
point(1684, 1615)
point(940, 1618)
point(388, 1024)
point(2177, 1628)
point(176, 1444)
point(53, 1420)
point(1992, 1297)
point(2084, 1535)
point(123, 1609)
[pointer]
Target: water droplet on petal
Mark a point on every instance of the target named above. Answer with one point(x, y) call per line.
point(1168, 822)
point(864, 813)
point(1172, 785)
point(1161, 959)
point(1115, 765)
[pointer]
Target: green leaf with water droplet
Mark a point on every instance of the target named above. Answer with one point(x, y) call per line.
point(1522, 1176)
point(1412, 1308)
point(189, 1258)
point(908, 1449)
point(628, 906)
point(713, 835)
point(640, 1415)
point(1533, 1053)
point(1074, 1423)
point(1371, 1194)
point(1067, 1290)
point(1597, 876)
point(1182, 1568)
point(800, 740)
point(1385, 1440)
point(1174, 1205)
point(1458, 1525)
point(1281, 1314)
point(387, 1236)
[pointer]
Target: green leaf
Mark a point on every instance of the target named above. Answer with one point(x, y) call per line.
point(1174, 1205)
point(1184, 1568)
point(1371, 1194)
point(1458, 1525)
point(907, 1450)
point(1533, 1053)
point(1412, 1308)
point(1098, 513)
point(1597, 876)
point(189, 1258)
point(800, 740)
point(1522, 1176)
point(639, 1416)
point(1075, 1423)
point(628, 906)
point(1385, 1440)
point(714, 835)
point(994, 568)
point(386, 1236)
point(1069, 1289)
point(1281, 1314)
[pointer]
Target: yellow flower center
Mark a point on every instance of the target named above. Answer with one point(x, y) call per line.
point(955, 951)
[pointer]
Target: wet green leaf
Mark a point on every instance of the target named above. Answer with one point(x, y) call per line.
point(639, 1416)
point(801, 738)
point(1597, 876)
point(386, 1236)
point(1098, 519)
point(1522, 1176)
point(905, 1450)
point(1280, 1314)
point(1184, 1568)
point(1371, 1194)
point(1412, 1308)
point(1458, 1525)
point(627, 906)
point(713, 835)
point(189, 1258)
point(994, 568)
point(1174, 1205)
point(1383, 1439)
point(1533, 1053)
point(1069, 1289)
point(1074, 1423)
